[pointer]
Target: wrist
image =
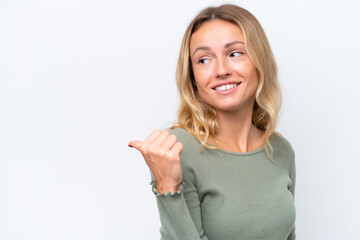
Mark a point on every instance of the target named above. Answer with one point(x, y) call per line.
point(162, 188)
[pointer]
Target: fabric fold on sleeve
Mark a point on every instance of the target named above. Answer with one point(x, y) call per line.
point(292, 173)
point(292, 235)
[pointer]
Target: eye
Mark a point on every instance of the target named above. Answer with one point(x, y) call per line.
point(236, 54)
point(203, 61)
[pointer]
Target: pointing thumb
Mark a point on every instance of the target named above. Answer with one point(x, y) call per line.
point(135, 144)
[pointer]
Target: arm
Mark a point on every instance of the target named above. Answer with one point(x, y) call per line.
point(180, 212)
point(292, 173)
point(177, 197)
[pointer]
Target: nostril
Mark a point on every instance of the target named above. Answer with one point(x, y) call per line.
point(224, 74)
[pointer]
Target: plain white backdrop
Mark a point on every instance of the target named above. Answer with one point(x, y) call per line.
point(80, 79)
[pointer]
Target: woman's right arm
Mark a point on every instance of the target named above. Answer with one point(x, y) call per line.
point(175, 190)
point(180, 212)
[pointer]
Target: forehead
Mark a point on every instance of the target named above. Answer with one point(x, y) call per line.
point(216, 32)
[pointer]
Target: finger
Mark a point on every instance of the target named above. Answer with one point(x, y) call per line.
point(150, 139)
point(135, 144)
point(169, 142)
point(177, 148)
point(153, 136)
point(160, 139)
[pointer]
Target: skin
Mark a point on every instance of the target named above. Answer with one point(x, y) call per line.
point(217, 56)
point(161, 152)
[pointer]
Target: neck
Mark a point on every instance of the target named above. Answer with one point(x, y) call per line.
point(236, 131)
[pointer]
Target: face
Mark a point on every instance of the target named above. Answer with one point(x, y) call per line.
point(225, 76)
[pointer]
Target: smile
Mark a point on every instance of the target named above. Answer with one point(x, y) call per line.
point(226, 87)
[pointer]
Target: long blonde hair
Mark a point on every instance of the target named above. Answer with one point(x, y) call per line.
point(199, 118)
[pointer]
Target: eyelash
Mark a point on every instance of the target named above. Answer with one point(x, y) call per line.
point(203, 59)
point(241, 53)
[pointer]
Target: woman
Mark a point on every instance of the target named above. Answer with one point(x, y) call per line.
point(222, 171)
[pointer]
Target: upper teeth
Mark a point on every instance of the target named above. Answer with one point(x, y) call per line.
point(226, 87)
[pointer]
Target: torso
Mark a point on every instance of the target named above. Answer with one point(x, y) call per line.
point(241, 195)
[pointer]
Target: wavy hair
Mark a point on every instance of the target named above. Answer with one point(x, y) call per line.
point(199, 118)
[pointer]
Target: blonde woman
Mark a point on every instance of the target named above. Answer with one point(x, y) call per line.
point(222, 171)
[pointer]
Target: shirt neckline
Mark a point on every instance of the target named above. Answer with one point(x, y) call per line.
point(230, 152)
point(238, 153)
point(243, 153)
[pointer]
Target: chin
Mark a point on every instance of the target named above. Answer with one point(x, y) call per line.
point(227, 108)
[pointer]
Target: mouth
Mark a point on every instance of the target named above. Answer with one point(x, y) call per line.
point(226, 86)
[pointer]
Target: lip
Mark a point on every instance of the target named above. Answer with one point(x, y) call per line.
point(224, 83)
point(228, 91)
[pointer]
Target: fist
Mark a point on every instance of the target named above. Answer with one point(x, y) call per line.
point(161, 152)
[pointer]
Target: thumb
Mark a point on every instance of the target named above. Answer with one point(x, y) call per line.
point(135, 144)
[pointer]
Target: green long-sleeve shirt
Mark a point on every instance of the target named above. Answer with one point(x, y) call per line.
point(229, 195)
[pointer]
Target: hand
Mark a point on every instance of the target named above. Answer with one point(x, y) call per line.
point(161, 152)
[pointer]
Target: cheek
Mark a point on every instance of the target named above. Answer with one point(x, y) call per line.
point(256, 76)
point(201, 76)
point(201, 84)
point(252, 72)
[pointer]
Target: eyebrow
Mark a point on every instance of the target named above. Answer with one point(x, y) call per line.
point(226, 46)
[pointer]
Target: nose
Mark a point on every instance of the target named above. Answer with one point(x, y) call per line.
point(223, 69)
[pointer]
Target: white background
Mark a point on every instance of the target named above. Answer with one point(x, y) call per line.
point(80, 79)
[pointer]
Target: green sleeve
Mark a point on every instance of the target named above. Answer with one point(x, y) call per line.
point(292, 173)
point(180, 213)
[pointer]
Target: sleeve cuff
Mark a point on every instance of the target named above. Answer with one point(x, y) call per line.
point(168, 193)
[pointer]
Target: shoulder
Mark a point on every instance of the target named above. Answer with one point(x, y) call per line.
point(191, 154)
point(283, 149)
point(179, 132)
point(282, 144)
point(183, 136)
